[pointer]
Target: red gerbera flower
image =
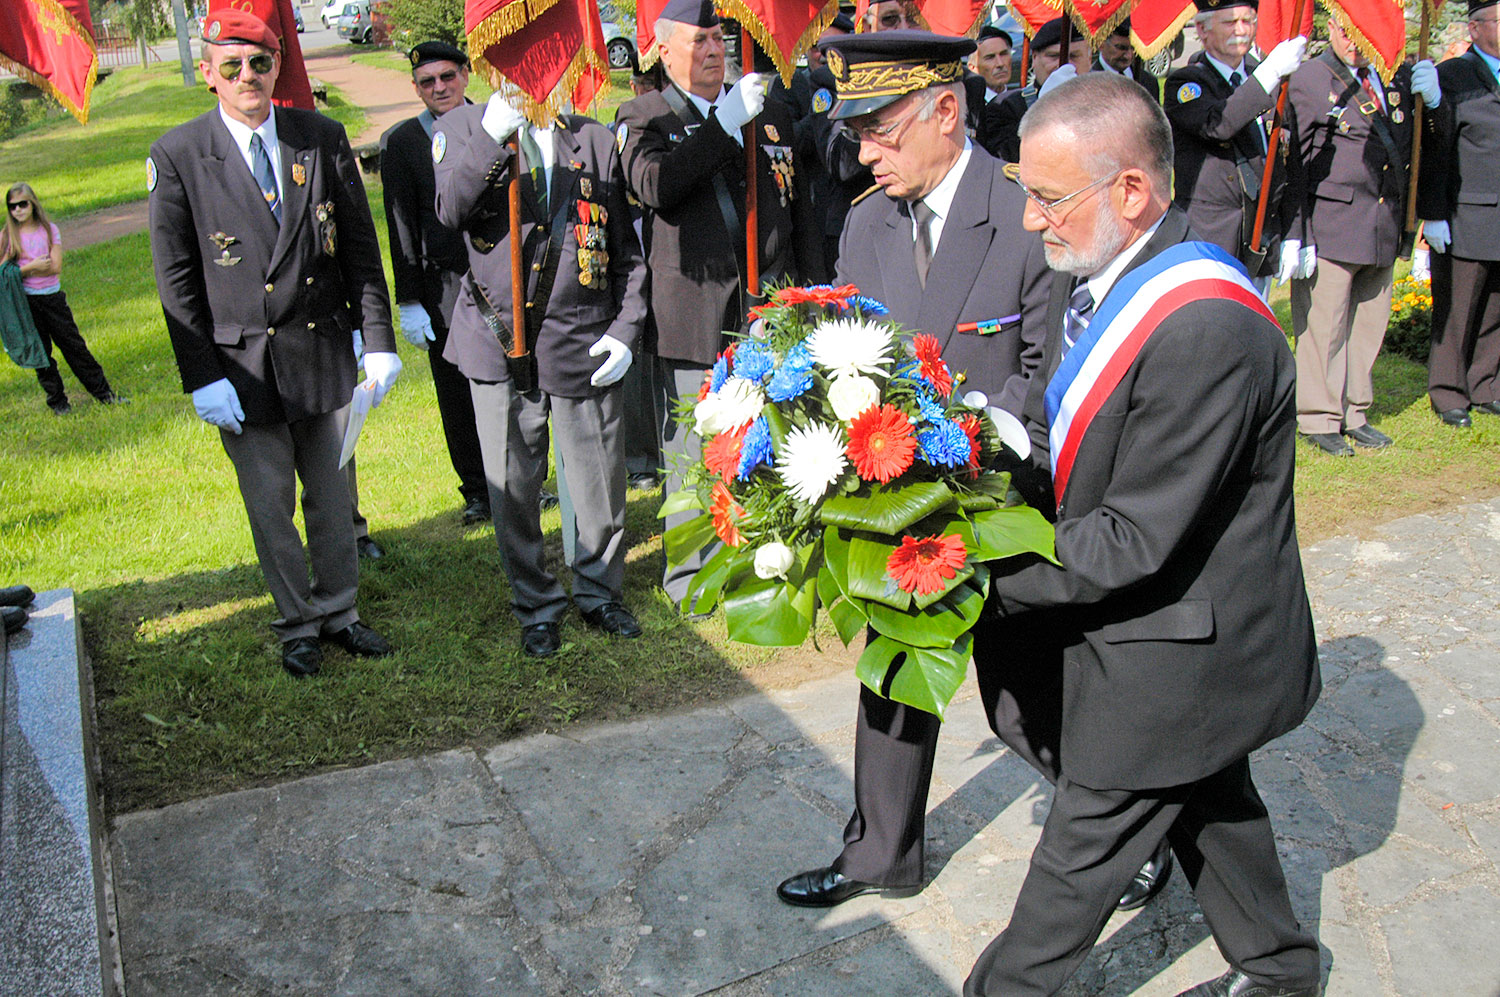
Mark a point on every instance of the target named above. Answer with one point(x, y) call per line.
point(924, 566)
point(815, 295)
point(725, 510)
point(970, 425)
point(881, 443)
point(707, 383)
point(934, 367)
point(722, 453)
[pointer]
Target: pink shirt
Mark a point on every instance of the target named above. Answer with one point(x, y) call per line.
point(34, 247)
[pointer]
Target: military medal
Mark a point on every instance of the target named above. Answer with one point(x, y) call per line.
point(324, 214)
point(772, 133)
point(586, 184)
point(299, 174)
point(1397, 117)
point(1393, 97)
point(1343, 127)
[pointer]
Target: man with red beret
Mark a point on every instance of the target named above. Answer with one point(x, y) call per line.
point(267, 264)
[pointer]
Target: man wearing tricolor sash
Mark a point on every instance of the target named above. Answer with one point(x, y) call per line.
point(1175, 636)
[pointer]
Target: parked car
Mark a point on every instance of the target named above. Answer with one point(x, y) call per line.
point(329, 15)
point(356, 23)
point(619, 37)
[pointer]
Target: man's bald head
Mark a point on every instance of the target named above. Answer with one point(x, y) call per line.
point(1117, 126)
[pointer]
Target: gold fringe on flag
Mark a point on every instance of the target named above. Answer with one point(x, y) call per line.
point(740, 11)
point(59, 13)
point(506, 22)
point(1165, 38)
point(1095, 38)
point(1362, 42)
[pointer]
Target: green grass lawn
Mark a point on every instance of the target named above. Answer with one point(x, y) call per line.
point(80, 168)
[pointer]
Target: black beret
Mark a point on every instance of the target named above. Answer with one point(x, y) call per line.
point(990, 31)
point(435, 51)
point(1048, 35)
point(699, 13)
point(1475, 6)
point(1204, 6)
point(843, 22)
point(1123, 28)
point(873, 69)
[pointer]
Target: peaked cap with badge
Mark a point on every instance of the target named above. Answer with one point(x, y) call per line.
point(436, 51)
point(876, 69)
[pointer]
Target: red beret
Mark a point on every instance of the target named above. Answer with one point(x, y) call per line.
point(228, 26)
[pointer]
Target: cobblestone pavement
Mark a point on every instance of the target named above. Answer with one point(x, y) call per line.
point(641, 858)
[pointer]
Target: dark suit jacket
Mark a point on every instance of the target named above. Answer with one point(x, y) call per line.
point(472, 197)
point(1000, 123)
point(1189, 637)
point(838, 154)
point(1139, 73)
point(1208, 132)
point(1346, 191)
point(423, 249)
point(986, 267)
point(696, 260)
point(278, 323)
point(1460, 177)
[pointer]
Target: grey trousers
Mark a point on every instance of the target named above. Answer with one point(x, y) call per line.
point(678, 379)
point(513, 437)
point(269, 460)
point(1339, 316)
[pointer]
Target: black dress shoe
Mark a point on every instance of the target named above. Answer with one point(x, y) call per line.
point(1368, 436)
point(1330, 443)
point(301, 657)
point(359, 639)
point(1150, 880)
point(17, 595)
point(1488, 408)
point(15, 618)
point(369, 549)
point(613, 618)
point(546, 501)
point(1236, 984)
point(540, 640)
point(826, 888)
point(644, 480)
point(477, 511)
point(1455, 417)
point(61, 409)
point(110, 398)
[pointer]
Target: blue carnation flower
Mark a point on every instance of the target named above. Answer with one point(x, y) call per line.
point(720, 374)
point(793, 377)
point(930, 410)
point(868, 306)
point(944, 444)
point(753, 361)
point(756, 449)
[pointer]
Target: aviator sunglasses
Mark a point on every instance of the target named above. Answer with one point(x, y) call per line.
point(260, 63)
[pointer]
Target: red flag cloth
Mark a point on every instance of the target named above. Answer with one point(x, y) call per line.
point(646, 14)
point(1155, 23)
point(1282, 19)
point(1377, 28)
point(50, 43)
point(292, 86)
point(1032, 14)
point(552, 51)
point(1096, 21)
point(783, 29)
point(946, 17)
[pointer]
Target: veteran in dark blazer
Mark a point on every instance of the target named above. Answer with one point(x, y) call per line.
point(1459, 198)
point(266, 263)
point(428, 259)
point(977, 281)
point(1181, 637)
point(1351, 156)
point(585, 306)
point(1000, 120)
point(1117, 55)
point(683, 158)
point(1215, 104)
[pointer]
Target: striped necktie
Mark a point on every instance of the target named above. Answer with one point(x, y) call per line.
point(1080, 311)
point(265, 176)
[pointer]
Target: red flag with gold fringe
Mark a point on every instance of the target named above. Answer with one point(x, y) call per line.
point(292, 86)
point(1097, 21)
point(646, 13)
point(550, 51)
point(1032, 14)
point(1155, 23)
point(783, 29)
point(50, 43)
point(1377, 28)
point(1279, 20)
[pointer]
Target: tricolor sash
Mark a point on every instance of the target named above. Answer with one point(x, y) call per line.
point(1132, 310)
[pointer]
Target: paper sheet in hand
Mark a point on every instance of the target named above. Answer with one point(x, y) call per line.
point(359, 409)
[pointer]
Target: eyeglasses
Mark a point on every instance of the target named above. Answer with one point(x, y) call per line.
point(1048, 206)
point(13, 205)
point(428, 82)
point(261, 64)
point(886, 133)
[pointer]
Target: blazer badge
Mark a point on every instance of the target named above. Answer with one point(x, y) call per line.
point(299, 174)
point(772, 133)
point(223, 242)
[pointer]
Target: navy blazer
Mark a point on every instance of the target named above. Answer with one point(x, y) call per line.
point(1460, 172)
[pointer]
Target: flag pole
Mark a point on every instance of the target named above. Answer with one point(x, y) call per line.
point(1419, 111)
point(517, 275)
point(1025, 57)
point(1274, 141)
point(752, 182)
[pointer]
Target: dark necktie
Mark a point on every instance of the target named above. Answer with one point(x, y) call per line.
point(1235, 79)
point(265, 176)
point(534, 162)
point(924, 216)
point(1080, 311)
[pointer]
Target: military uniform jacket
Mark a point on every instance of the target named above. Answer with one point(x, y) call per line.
point(472, 173)
point(986, 268)
point(1000, 123)
point(696, 258)
point(422, 248)
point(1460, 174)
point(272, 309)
point(1180, 600)
point(1213, 126)
point(838, 154)
point(1347, 186)
point(1138, 73)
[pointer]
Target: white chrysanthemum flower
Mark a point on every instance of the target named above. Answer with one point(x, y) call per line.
point(811, 460)
point(851, 395)
point(706, 419)
point(773, 560)
point(849, 346)
point(740, 400)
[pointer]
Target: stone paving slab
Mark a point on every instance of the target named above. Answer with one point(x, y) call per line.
point(641, 858)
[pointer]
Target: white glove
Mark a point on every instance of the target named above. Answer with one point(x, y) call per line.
point(1060, 75)
point(743, 102)
point(1438, 235)
point(218, 404)
point(615, 365)
point(1424, 83)
point(381, 370)
point(500, 119)
point(1280, 62)
point(359, 346)
point(416, 324)
point(1298, 262)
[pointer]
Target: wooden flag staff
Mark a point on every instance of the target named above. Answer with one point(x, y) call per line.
point(517, 276)
point(752, 185)
point(1416, 143)
point(1273, 143)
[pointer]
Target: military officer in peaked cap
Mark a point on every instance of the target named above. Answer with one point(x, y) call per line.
point(266, 264)
point(1459, 192)
point(585, 307)
point(1215, 104)
point(1002, 118)
point(683, 154)
point(428, 258)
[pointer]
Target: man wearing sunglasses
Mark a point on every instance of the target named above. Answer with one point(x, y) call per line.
point(428, 258)
point(266, 262)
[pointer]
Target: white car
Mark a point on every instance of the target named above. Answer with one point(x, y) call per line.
point(329, 15)
point(619, 36)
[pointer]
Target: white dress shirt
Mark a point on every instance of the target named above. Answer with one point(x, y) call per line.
point(241, 133)
point(940, 199)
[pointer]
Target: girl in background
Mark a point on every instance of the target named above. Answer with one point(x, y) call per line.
point(35, 244)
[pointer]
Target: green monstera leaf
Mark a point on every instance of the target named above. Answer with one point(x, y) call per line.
point(887, 509)
point(928, 678)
